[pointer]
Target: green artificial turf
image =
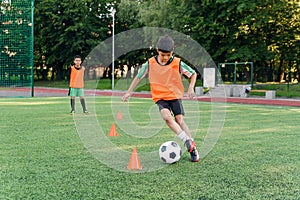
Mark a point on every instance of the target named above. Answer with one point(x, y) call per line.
point(44, 155)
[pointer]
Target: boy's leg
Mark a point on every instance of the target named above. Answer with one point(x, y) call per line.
point(185, 135)
point(178, 111)
point(72, 102)
point(174, 126)
point(168, 118)
point(72, 94)
point(194, 153)
point(189, 143)
point(178, 125)
point(180, 121)
point(82, 101)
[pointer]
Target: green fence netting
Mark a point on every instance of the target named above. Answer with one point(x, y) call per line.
point(16, 44)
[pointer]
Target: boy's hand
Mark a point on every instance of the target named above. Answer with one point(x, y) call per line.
point(126, 96)
point(191, 93)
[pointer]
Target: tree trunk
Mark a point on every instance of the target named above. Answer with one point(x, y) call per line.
point(280, 73)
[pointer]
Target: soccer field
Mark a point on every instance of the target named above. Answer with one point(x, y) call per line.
point(46, 153)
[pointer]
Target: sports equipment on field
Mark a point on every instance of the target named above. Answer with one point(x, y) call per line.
point(191, 148)
point(170, 152)
point(16, 44)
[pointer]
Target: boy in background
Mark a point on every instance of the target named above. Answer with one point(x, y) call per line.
point(77, 84)
point(167, 90)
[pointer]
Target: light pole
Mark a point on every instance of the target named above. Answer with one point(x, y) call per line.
point(113, 11)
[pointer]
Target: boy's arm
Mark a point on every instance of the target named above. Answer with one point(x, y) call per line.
point(192, 75)
point(134, 83)
point(70, 71)
point(191, 91)
point(136, 80)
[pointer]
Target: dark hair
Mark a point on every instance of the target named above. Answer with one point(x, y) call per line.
point(165, 44)
point(77, 56)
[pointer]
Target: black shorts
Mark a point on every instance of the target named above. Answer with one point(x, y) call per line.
point(175, 106)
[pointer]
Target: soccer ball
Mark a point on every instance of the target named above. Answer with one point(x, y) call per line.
point(170, 152)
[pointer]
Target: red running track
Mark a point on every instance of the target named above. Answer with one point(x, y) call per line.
point(43, 91)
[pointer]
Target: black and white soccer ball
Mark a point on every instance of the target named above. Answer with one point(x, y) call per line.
point(170, 152)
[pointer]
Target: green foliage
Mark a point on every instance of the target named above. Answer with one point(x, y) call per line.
point(282, 90)
point(128, 13)
point(42, 156)
point(263, 32)
point(69, 28)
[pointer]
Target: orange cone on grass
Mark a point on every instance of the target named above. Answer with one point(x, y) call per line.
point(134, 162)
point(113, 131)
point(119, 116)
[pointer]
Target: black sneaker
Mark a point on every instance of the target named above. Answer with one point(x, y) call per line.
point(190, 145)
point(86, 112)
point(194, 155)
point(72, 112)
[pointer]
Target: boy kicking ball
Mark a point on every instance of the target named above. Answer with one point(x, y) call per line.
point(167, 90)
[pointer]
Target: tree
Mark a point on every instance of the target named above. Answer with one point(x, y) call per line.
point(264, 32)
point(67, 29)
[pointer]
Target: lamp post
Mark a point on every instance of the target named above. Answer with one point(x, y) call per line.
point(113, 11)
point(31, 48)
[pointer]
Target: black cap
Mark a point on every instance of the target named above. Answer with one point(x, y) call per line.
point(165, 44)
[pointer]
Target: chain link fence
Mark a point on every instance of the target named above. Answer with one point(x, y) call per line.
point(16, 44)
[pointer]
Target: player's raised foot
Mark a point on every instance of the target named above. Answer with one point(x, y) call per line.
point(194, 155)
point(190, 145)
point(72, 112)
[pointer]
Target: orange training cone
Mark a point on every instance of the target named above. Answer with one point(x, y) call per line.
point(134, 162)
point(119, 116)
point(113, 131)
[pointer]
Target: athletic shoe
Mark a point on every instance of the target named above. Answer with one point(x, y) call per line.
point(194, 155)
point(86, 112)
point(72, 112)
point(190, 145)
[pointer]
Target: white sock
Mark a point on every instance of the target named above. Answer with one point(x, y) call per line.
point(183, 136)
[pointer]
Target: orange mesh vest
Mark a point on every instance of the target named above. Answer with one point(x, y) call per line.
point(165, 81)
point(77, 77)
